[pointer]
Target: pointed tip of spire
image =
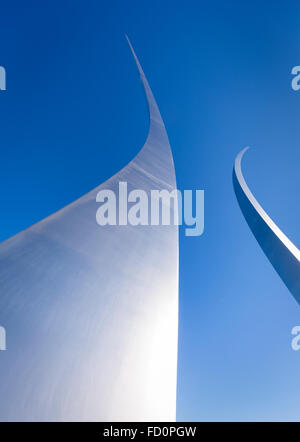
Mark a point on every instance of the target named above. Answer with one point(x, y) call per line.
point(128, 41)
point(135, 57)
point(130, 45)
point(238, 159)
point(245, 149)
point(242, 152)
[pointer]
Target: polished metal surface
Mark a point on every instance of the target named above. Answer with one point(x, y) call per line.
point(91, 312)
point(281, 252)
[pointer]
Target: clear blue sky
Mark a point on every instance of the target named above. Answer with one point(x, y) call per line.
point(74, 114)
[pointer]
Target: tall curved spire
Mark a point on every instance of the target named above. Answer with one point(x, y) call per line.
point(281, 252)
point(90, 312)
point(156, 154)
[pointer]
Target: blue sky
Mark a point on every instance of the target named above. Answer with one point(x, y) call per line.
point(220, 72)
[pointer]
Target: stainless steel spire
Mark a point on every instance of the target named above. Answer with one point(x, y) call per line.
point(281, 252)
point(90, 312)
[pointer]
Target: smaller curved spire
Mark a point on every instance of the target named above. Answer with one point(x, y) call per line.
point(281, 252)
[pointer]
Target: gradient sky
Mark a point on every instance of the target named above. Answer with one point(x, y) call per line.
point(74, 114)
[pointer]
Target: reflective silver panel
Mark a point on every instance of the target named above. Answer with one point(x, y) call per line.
point(90, 312)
